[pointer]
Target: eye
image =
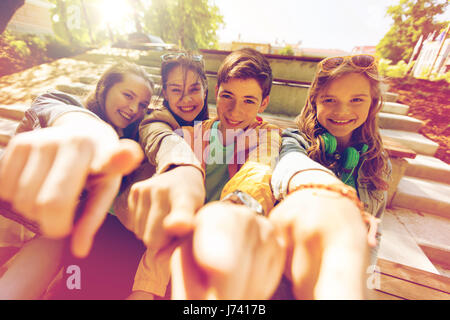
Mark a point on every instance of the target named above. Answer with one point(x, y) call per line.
point(127, 95)
point(143, 105)
point(357, 100)
point(328, 100)
point(225, 95)
point(248, 101)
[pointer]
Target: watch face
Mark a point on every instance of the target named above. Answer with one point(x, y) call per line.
point(240, 197)
point(235, 198)
point(245, 198)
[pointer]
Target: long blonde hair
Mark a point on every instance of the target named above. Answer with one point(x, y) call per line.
point(375, 167)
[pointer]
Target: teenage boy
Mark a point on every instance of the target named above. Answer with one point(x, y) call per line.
point(233, 245)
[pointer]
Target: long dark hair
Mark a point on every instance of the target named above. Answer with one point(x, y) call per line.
point(95, 101)
point(187, 61)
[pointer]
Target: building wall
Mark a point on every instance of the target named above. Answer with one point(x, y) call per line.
point(261, 47)
point(364, 50)
point(428, 54)
point(33, 17)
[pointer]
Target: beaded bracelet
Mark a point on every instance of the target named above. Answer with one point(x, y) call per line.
point(343, 190)
point(351, 194)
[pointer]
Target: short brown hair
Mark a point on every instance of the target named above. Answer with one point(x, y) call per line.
point(247, 63)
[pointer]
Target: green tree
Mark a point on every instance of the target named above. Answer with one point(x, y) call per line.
point(191, 24)
point(74, 22)
point(287, 51)
point(412, 18)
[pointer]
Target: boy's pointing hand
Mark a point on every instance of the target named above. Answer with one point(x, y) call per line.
point(233, 254)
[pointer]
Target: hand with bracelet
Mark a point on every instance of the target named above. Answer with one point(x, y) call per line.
point(234, 253)
point(325, 235)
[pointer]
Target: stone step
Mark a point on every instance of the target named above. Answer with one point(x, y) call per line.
point(412, 140)
point(430, 168)
point(390, 96)
point(88, 79)
point(156, 71)
point(156, 78)
point(13, 112)
point(394, 107)
point(399, 246)
point(398, 122)
point(423, 195)
point(431, 233)
point(76, 88)
point(7, 130)
point(153, 73)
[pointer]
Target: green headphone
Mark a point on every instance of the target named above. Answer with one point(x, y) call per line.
point(349, 159)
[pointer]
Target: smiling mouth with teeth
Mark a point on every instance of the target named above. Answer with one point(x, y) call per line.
point(187, 108)
point(340, 121)
point(126, 116)
point(234, 123)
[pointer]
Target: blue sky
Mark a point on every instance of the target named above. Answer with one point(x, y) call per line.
point(327, 24)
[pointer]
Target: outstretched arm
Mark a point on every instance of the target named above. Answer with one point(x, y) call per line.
point(326, 239)
point(323, 229)
point(44, 171)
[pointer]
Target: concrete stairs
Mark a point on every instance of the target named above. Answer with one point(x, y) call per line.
point(412, 140)
point(416, 226)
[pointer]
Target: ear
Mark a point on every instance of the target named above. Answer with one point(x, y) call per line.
point(216, 90)
point(164, 94)
point(264, 104)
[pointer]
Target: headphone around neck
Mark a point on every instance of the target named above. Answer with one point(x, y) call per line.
point(349, 159)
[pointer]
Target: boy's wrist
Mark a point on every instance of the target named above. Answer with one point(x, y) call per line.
point(240, 197)
point(186, 165)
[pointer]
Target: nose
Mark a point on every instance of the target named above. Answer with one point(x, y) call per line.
point(342, 108)
point(186, 97)
point(233, 108)
point(134, 107)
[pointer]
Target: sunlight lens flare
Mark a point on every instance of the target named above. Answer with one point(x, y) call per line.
point(115, 13)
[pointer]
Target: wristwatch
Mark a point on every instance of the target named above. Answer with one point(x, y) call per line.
point(239, 197)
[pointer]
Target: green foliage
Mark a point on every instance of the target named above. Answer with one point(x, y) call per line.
point(76, 22)
point(412, 18)
point(20, 47)
point(24, 44)
point(392, 71)
point(445, 76)
point(425, 74)
point(287, 51)
point(191, 24)
point(20, 51)
point(56, 49)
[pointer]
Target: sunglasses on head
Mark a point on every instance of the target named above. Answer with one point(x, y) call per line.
point(174, 56)
point(360, 61)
